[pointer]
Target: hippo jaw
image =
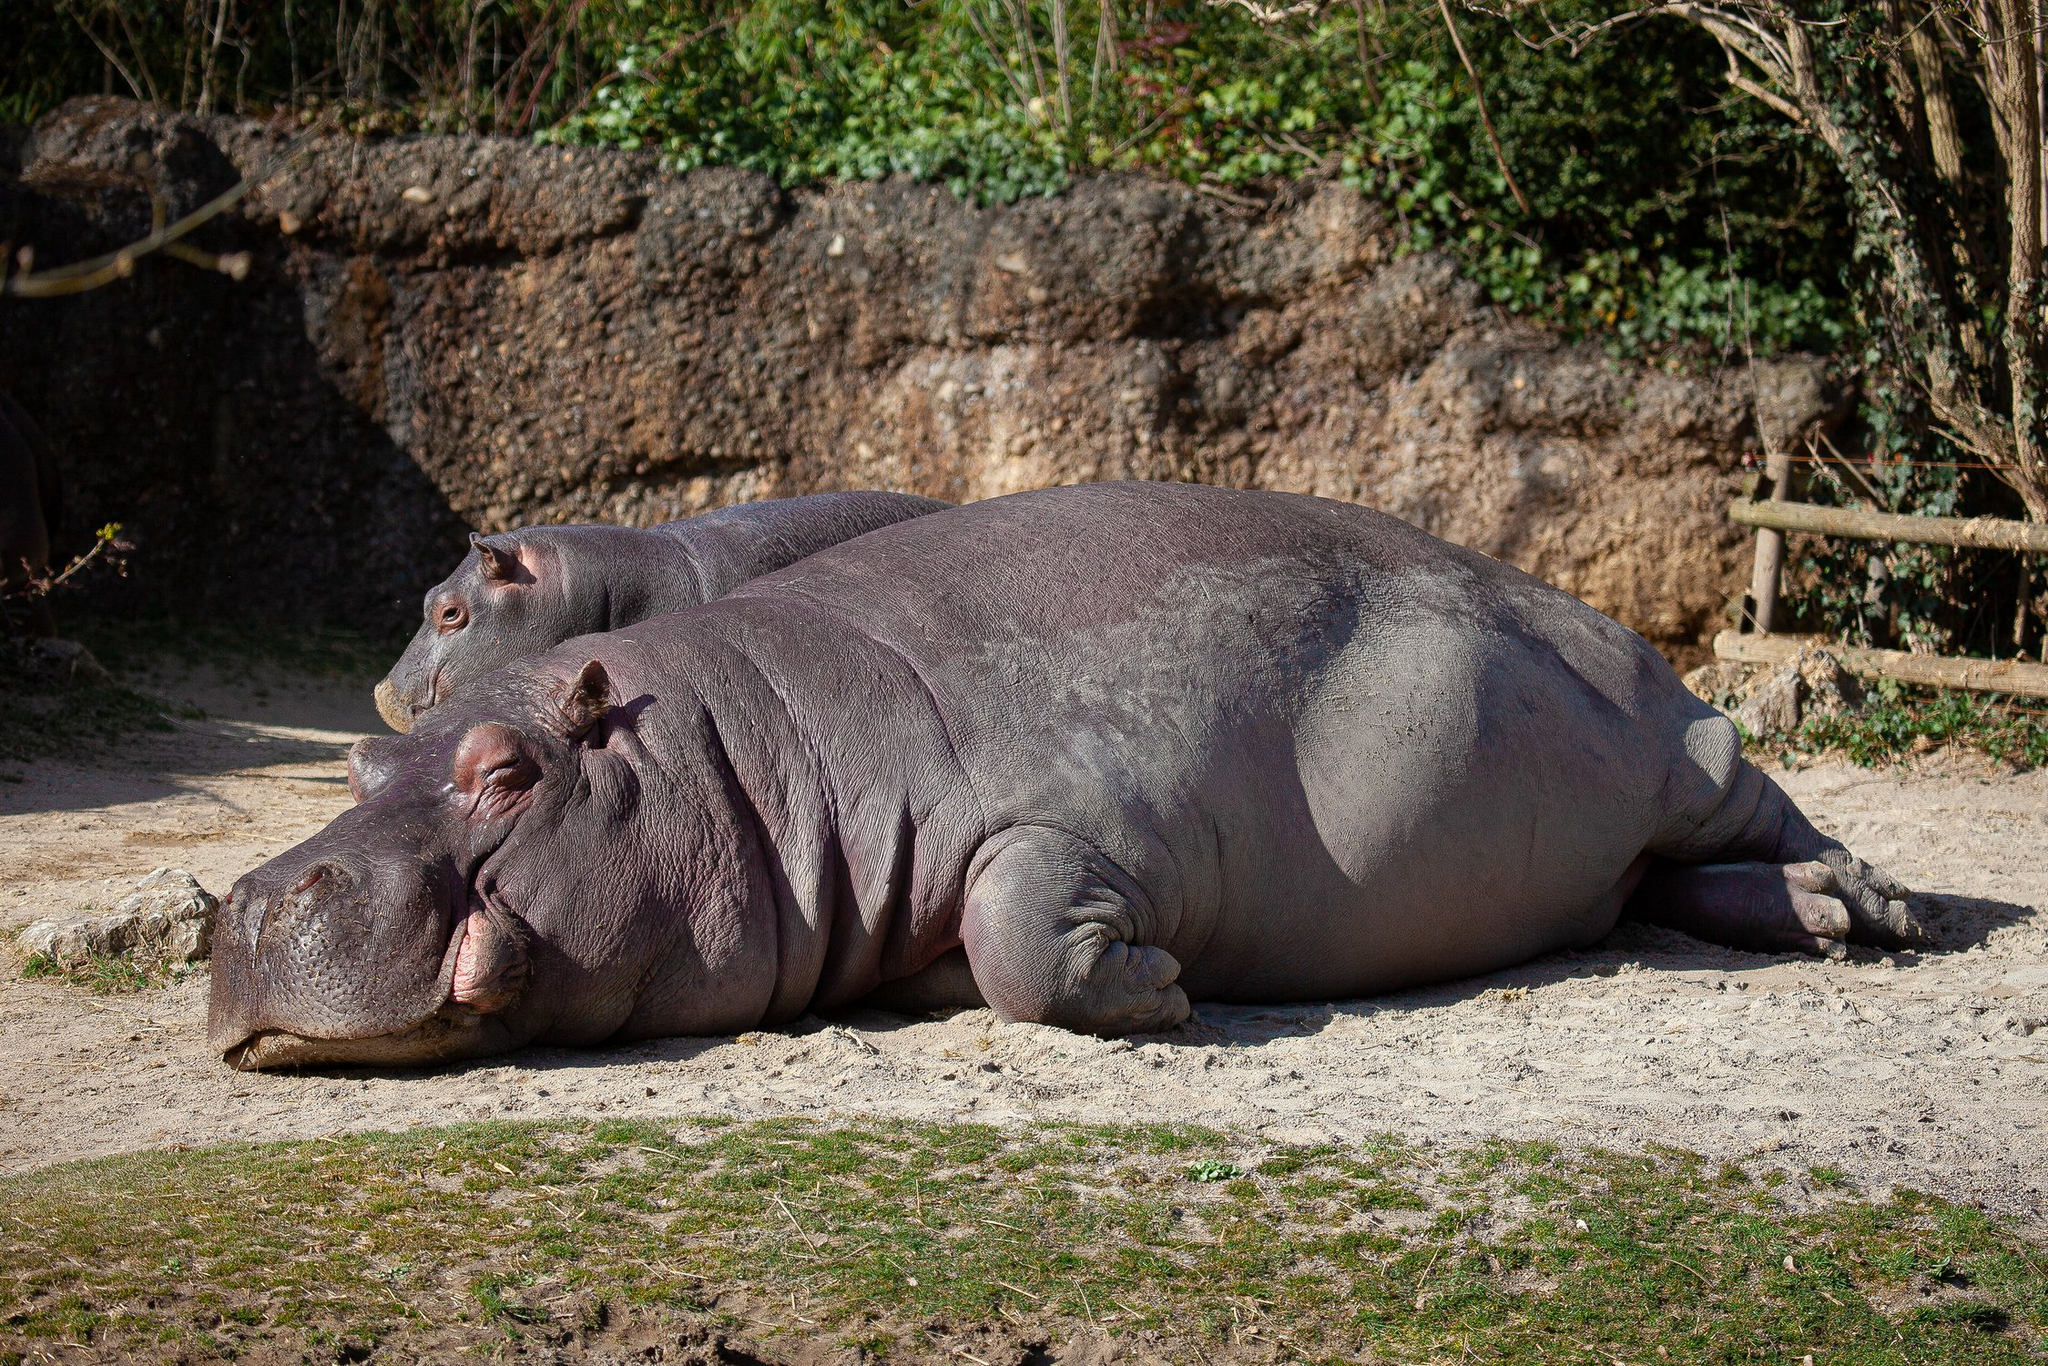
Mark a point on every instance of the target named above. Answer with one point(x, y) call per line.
point(483, 972)
point(428, 1041)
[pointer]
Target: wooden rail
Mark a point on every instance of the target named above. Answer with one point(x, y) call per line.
point(1933, 671)
point(1984, 533)
point(1774, 516)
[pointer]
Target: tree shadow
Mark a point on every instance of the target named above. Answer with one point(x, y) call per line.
point(239, 432)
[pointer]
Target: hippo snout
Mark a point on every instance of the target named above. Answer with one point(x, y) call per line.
point(322, 959)
point(397, 711)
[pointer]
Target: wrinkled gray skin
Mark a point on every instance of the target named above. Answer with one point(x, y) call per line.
point(1082, 753)
point(529, 590)
point(30, 503)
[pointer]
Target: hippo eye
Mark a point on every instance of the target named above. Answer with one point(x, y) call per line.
point(453, 616)
point(516, 772)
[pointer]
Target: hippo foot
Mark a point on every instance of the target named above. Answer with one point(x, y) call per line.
point(1877, 901)
point(1759, 907)
point(1051, 927)
point(1130, 989)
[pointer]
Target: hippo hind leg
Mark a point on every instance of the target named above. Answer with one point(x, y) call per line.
point(1052, 931)
point(1759, 907)
point(1757, 875)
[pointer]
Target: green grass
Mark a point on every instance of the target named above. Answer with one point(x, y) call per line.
point(1897, 721)
point(901, 1237)
point(101, 974)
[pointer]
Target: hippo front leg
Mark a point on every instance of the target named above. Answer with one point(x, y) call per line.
point(1054, 932)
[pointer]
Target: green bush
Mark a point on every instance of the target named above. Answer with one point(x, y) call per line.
point(1662, 212)
point(1897, 721)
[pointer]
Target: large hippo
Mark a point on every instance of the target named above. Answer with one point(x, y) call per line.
point(1081, 753)
point(31, 501)
point(521, 592)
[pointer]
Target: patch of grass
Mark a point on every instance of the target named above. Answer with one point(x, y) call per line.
point(101, 974)
point(1897, 721)
point(905, 1239)
point(1210, 1170)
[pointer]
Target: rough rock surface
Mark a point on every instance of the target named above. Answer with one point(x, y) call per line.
point(442, 331)
point(1766, 701)
point(168, 915)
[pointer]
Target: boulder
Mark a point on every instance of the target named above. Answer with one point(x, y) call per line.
point(1830, 689)
point(1814, 683)
point(1719, 681)
point(1773, 704)
point(168, 915)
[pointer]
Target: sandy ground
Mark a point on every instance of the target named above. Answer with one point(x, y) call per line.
point(1928, 1070)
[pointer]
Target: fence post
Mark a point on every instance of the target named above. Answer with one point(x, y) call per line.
point(1770, 546)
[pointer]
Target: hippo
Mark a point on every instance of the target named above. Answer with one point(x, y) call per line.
point(1081, 754)
point(31, 502)
point(519, 593)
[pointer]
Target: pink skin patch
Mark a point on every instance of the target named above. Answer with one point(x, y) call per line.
point(490, 965)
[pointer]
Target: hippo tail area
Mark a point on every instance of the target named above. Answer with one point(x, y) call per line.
point(1710, 804)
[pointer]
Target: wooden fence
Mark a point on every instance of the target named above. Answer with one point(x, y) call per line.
point(1774, 516)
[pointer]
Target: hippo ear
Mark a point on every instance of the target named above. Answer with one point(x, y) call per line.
point(500, 564)
point(585, 700)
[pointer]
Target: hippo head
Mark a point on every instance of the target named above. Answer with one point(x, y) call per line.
point(504, 601)
point(497, 883)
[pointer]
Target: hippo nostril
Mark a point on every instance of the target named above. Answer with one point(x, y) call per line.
point(309, 880)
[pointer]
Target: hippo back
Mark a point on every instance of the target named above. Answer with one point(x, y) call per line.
point(732, 545)
point(1281, 715)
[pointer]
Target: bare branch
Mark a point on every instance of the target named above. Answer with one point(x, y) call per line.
point(134, 86)
point(120, 264)
point(1269, 15)
point(1500, 157)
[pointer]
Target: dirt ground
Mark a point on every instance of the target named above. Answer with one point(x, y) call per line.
point(1928, 1070)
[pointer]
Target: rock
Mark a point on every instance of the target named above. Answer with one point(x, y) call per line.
point(549, 334)
point(1797, 401)
point(168, 915)
point(64, 663)
point(1773, 705)
point(71, 661)
point(1830, 689)
point(1720, 681)
point(1814, 683)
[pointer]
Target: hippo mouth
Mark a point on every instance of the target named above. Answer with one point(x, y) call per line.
point(482, 973)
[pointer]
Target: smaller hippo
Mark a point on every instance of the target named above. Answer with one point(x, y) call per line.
point(529, 590)
point(31, 501)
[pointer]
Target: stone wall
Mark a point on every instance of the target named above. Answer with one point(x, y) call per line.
point(443, 332)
